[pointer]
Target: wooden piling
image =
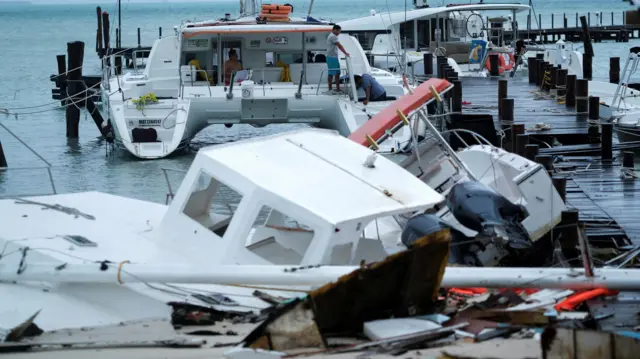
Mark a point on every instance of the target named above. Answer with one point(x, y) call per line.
point(587, 66)
point(582, 96)
point(561, 82)
point(540, 73)
point(139, 38)
point(531, 151)
point(441, 61)
point(560, 183)
point(570, 97)
point(522, 141)
point(628, 159)
point(516, 129)
point(105, 36)
point(606, 141)
point(160, 32)
point(427, 60)
point(507, 105)
point(594, 108)
point(503, 86)
point(118, 60)
point(532, 64)
point(62, 77)
point(75, 54)
point(494, 65)
point(553, 78)
point(614, 70)
point(547, 162)
point(569, 233)
point(3, 158)
point(99, 46)
point(456, 97)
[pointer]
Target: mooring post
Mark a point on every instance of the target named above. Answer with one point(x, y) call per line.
point(587, 71)
point(628, 160)
point(139, 38)
point(594, 108)
point(3, 158)
point(160, 32)
point(427, 60)
point(606, 141)
point(105, 36)
point(547, 162)
point(531, 151)
point(75, 54)
point(62, 77)
point(507, 105)
point(99, 48)
point(494, 65)
point(614, 70)
point(118, 60)
point(516, 129)
point(503, 86)
point(560, 183)
point(540, 73)
point(532, 64)
point(561, 82)
point(582, 96)
point(522, 141)
point(553, 78)
point(569, 233)
point(570, 98)
point(587, 56)
point(456, 98)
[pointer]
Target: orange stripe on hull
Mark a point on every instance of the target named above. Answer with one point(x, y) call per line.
point(388, 118)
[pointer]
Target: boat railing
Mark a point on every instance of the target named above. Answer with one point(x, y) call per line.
point(170, 194)
point(134, 58)
point(4, 170)
point(194, 73)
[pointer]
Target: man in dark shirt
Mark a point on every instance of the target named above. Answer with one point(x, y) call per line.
point(372, 89)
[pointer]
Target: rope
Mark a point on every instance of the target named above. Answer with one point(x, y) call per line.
point(120, 270)
point(24, 144)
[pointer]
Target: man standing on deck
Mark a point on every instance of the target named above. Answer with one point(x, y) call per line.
point(332, 56)
point(373, 90)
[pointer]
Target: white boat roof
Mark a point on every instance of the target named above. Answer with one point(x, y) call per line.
point(384, 20)
point(324, 173)
point(255, 28)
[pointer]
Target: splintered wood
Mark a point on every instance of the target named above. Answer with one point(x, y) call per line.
point(404, 284)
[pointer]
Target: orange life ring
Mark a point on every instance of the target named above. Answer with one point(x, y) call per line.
point(276, 7)
point(502, 62)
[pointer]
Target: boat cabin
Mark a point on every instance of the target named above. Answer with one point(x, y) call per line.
point(449, 28)
point(263, 53)
point(314, 211)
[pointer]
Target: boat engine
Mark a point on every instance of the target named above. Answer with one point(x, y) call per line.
point(480, 208)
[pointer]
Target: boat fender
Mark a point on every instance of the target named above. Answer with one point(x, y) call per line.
point(480, 208)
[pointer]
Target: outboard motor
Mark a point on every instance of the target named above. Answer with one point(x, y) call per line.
point(464, 250)
point(480, 208)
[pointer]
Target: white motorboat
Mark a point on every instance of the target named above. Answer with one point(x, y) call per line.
point(180, 91)
point(244, 214)
point(399, 40)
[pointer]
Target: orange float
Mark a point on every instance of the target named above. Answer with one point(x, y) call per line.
point(503, 65)
point(276, 7)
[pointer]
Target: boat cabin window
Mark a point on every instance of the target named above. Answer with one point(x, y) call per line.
point(279, 238)
point(367, 38)
point(212, 204)
point(407, 38)
point(424, 39)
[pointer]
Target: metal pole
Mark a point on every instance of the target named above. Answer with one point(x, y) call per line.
point(119, 44)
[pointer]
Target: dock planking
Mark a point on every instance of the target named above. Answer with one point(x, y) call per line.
point(608, 205)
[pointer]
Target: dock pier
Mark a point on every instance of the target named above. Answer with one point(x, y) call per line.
point(603, 26)
point(574, 143)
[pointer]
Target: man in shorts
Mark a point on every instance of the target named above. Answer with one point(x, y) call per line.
point(332, 57)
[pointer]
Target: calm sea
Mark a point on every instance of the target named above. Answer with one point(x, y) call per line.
point(32, 35)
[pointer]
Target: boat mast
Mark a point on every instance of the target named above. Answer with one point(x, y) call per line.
point(310, 7)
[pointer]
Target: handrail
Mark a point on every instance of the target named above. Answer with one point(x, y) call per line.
point(230, 93)
point(352, 82)
point(299, 93)
point(135, 58)
point(322, 73)
point(170, 194)
point(53, 186)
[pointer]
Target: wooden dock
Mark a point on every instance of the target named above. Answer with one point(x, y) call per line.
point(607, 204)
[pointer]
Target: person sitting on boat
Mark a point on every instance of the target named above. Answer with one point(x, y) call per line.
point(373, 90)
point(333, 44)
point(233, 64)
point(200, 75)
